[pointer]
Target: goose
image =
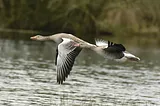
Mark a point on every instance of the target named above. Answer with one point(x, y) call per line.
point(69, 46)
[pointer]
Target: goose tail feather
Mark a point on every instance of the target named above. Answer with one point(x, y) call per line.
point(131, 57)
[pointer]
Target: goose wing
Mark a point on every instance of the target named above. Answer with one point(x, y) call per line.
point(100, 42)
point(66, 54)
point(115, 51)
point(111, 50)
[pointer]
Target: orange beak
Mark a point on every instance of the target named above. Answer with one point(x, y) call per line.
point(33, 38)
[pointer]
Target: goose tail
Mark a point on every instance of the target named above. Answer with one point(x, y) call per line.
point(130, 56)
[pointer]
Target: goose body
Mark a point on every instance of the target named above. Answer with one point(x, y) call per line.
point(69, 46)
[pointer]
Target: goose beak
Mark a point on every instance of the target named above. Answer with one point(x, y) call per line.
point(33, 37)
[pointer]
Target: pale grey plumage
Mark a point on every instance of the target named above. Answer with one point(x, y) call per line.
point(67, 53)
point(70, 46)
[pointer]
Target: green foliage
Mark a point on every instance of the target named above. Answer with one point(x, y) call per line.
point(81, 17)
point(137, 16)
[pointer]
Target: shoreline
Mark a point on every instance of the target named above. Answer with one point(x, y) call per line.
point(130, 39)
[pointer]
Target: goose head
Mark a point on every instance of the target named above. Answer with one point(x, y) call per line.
point(39, 38)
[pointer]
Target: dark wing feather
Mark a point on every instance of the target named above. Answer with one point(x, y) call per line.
point(56, 56)
point(111, 50)
point(115, 50)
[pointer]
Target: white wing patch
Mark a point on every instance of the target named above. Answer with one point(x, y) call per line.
point(100, 42)
point(66, 40)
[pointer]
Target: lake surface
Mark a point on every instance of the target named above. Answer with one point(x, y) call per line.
point(28, 78)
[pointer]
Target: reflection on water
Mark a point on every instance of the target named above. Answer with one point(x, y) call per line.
point(28, 77)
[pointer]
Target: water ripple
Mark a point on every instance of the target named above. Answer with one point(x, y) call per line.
point(29, 78)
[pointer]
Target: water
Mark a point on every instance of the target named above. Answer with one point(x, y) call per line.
point(28, 78)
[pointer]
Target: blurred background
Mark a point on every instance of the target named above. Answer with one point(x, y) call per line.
point(128, 21)
point(27, 70)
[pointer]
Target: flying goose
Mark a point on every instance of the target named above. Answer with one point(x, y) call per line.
point(69, 46)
